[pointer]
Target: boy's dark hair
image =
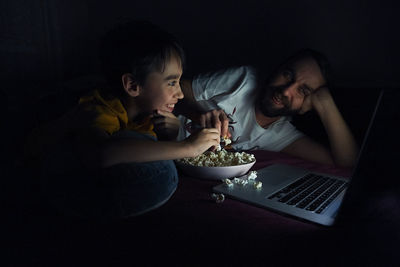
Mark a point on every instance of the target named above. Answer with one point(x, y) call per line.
point(137, 47)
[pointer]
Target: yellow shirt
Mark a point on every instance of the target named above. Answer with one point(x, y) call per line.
point(108, 113)
point(94, 110)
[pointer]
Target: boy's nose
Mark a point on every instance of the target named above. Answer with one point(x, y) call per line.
point(179, 93)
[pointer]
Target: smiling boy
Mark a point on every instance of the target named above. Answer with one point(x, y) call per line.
point(103, 159)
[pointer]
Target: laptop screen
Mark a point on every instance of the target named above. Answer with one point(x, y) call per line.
point(376, 172)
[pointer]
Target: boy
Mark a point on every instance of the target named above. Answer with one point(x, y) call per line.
point(106, 162)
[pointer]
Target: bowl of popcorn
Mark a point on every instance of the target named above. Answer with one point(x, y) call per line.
point(217, 165)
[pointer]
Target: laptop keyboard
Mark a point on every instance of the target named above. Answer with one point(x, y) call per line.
point(312, 192)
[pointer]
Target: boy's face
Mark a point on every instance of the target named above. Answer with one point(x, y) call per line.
point(286, 92)
point(161, 90)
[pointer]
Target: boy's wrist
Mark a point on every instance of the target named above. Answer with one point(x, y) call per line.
point(186, 148)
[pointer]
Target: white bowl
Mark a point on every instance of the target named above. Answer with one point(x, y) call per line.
point(214, 173)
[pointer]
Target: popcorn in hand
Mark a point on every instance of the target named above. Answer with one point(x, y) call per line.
point(219, 147)
point(227, 141)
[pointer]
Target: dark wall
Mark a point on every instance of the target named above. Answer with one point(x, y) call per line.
point(45, 43)
point(56, 40)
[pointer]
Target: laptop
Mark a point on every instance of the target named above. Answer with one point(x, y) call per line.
point(320, 197)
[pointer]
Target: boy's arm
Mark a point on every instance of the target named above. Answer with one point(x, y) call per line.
point(106, 151)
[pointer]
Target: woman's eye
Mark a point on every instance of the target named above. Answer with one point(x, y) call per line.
point(172, 83)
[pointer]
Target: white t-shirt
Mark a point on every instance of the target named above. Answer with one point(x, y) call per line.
point(234, 91)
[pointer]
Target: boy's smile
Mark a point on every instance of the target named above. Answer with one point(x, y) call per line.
point(170, 107)
point(161, 90)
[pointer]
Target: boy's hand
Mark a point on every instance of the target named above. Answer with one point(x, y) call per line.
point(216, 119)
point(166, 125)
point(203, 140)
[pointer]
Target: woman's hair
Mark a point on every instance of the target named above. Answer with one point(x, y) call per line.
point(137, 47)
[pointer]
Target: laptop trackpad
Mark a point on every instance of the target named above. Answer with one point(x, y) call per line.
point(278, 174)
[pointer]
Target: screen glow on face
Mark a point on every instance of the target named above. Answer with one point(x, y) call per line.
point(285, 94)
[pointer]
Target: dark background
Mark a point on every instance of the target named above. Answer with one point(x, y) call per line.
point(56, 40)
point(50, 47)
point(53, 41)
point(48, 54)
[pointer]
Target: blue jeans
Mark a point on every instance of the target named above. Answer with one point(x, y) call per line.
point(118, 191)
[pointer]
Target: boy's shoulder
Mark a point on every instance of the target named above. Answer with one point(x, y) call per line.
point(103, 98)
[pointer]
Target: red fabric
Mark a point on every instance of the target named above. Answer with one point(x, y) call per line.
point(192, 230)
point(198, 225)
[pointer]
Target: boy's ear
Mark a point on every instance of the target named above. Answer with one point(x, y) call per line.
point(130, 85)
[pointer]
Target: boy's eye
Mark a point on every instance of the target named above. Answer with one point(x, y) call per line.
point(173, 83)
